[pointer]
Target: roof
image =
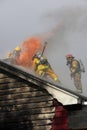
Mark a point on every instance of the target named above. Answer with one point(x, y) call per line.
point(64, 95)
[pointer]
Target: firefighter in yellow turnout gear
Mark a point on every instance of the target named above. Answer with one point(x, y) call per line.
point(75, 71)
point(43, 68)
point(14, 55)
point(17, 51)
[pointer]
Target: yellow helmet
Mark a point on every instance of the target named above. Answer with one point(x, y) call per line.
point(17, 48)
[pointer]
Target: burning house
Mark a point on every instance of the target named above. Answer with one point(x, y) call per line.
point(28, 102)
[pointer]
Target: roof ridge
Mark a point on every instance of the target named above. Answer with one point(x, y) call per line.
point(24, 75)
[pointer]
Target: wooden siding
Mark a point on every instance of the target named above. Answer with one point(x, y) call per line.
point(24, 104)
point(26, 101)
point(56, 90)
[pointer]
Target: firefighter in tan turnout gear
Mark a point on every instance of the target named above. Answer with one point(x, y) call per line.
point(75, 71)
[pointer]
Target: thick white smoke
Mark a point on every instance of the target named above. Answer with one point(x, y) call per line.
point(69, 37)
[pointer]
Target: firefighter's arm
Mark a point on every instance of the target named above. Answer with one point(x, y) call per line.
point(75, 67)
point(36, 62)
point(73, 71)
point(42, 67)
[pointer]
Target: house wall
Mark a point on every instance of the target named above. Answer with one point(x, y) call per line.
point(23, 104)
point(28, 105)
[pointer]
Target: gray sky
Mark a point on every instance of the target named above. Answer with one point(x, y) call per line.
point(19, 19)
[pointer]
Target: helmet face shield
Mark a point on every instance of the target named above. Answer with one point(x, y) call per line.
point(38, 55)
point(69, 56)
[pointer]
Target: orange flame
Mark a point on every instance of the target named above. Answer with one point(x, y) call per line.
point(29, 48)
